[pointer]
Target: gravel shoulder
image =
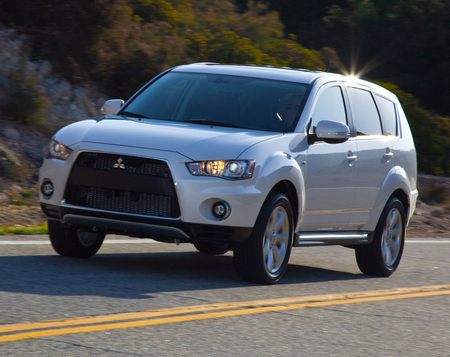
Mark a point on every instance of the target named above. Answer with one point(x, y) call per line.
point(429, 221)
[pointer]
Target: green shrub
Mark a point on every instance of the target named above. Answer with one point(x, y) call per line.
point(42, 229)
point(27, 192)
point(9, 164)
point(25, 103)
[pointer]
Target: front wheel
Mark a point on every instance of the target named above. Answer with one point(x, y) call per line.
point(264, 257)
point(74, 242)
point(383, 255)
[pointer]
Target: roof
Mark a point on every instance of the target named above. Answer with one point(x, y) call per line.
point(279, 73)
point(266, 72)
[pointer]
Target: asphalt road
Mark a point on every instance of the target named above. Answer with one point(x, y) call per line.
point(184, 303)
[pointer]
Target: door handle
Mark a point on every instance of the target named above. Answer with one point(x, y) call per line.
point(351, 156)
point(388, 154)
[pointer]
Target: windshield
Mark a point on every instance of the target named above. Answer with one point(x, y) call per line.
point(223, 100)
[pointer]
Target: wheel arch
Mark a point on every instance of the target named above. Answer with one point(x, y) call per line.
point(396, 184)
point(287, 188)
point(404, 199)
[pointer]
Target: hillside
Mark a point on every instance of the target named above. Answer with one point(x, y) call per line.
point(52, 75)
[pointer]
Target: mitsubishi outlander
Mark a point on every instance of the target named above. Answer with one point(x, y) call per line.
point(255, 160)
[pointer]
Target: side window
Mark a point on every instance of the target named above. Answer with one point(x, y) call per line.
point(365, 114)
point(388, 115)
point(330, 106)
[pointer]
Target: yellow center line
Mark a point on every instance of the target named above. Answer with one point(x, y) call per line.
point(203, 312)
point(209, 307)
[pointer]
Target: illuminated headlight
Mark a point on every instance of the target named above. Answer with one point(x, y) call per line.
point(57, 150)
point(229, 169)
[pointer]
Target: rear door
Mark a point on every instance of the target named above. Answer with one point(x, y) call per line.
point(376, 148)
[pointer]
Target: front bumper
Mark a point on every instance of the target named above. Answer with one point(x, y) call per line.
point(196, 195)
point(167, 230)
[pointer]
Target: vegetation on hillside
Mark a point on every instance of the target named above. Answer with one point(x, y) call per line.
point(120, 44)
point(402, 41)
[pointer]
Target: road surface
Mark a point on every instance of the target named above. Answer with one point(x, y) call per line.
point(142, 298)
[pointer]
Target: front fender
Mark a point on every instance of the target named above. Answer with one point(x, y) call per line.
point(281, 167)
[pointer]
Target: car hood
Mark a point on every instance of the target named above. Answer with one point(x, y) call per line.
point(195, 141)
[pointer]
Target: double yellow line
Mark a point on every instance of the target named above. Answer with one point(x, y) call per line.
point(32, 330)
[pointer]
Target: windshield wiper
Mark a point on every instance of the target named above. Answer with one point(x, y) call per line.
point(212, 122)
point(134, 115)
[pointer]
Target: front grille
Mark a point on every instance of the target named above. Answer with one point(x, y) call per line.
point(120, 201)
point(125, 184)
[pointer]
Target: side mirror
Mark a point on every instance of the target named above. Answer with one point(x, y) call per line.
point(112, 106)
point(332, 131)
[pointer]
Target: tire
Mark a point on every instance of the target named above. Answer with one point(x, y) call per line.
point(383, 255)
point(263, 258)
point(211, 249)
point(74, 242)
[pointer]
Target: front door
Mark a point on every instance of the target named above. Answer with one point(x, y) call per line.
point(329, 169)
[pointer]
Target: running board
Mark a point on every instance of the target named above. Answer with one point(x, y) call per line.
point(331, 238)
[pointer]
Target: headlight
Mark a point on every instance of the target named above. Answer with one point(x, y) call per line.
point(229, 169)
point(57, 150)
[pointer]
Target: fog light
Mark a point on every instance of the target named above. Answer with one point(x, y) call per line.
point(47, 188)
point(221, 210)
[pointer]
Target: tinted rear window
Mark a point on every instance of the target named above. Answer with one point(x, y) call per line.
point(388, 115)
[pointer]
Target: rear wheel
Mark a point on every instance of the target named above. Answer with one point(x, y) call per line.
point(383, 255)
point(264, 257)
point(74, 242)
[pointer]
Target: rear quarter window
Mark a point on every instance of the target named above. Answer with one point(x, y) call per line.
point(388, 115)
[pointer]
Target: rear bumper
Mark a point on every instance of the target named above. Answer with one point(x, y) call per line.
point(412, 203)
point(162, 229)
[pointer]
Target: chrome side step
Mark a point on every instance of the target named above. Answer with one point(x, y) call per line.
point(331, 238)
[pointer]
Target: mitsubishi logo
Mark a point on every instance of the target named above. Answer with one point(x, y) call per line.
point(119, 164)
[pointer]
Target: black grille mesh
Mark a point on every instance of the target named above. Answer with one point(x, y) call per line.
point(141, 186)
point(133, 165)
point(120, 201)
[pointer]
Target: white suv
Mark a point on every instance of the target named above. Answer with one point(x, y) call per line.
point(243, 158)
